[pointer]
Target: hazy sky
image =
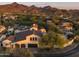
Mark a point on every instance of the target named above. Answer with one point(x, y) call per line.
point(65, 5)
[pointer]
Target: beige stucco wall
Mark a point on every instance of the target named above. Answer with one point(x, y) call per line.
point(8, 42)
point(27, 40)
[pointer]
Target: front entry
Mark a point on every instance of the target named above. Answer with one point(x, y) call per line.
point(32, 45)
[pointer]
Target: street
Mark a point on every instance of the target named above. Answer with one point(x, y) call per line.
point(71, 52)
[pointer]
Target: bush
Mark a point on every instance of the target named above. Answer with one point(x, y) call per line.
point(21, 52)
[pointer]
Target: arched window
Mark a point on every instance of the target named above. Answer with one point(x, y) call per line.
point(30, 38)
point(33, 38)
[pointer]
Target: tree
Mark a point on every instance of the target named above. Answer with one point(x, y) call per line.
point(54, 28)
point(34, 19)
point(45, 39)
point(24, 20)
point(77, 32)
point(61, 41)
point(57, 39)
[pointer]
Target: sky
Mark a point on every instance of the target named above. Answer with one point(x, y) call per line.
point(61, 5)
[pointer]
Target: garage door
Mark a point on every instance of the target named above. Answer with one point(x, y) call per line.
point(32, 45)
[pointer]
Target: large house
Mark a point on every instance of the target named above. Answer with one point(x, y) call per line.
point(25, 39)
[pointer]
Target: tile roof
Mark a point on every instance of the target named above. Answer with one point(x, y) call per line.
point(22, 35)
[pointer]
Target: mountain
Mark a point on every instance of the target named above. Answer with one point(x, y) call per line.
point(14, 7)
point(18, 8)
point(47, 10)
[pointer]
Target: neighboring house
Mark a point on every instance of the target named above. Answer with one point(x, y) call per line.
point(77, 21)
point(2, 28)
point(24, 39)
point(7, 42)
point(76, 37)
point(67, 26)
point(2, 37)
point(10, 31)
point(35, 27)
point(43, 30)
point(10, 28)
point(9, 16)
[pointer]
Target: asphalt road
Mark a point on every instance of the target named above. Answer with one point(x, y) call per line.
point(71, 53)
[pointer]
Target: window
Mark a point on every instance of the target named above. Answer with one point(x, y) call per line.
point(33, 38)
point(30, 38)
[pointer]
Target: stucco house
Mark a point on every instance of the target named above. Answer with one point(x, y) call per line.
point(67, 26)
point(24, 39)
